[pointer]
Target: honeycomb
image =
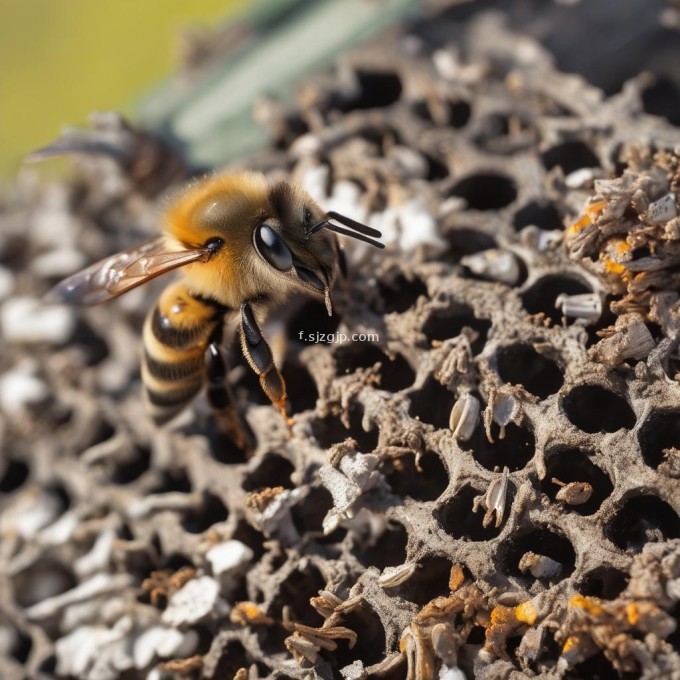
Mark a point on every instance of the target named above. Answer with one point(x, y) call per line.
point(486, 486)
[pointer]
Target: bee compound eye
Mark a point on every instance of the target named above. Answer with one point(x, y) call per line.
point(272, 248)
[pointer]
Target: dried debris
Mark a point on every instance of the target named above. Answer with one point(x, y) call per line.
point(496, 370)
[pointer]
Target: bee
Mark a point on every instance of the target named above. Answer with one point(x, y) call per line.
point(242, 245)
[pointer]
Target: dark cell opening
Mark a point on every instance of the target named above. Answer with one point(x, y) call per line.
point(457, 518)
point(467, 242)
point(370, 645)
point(541, 214)
point(103, 431)
point(430, 580)
point(573, 465)
point(597, 667)
point(301, 388)
point(449, 323)
point(377, 89)
point(426, 484)
point(456, 112)
point(308, 515)
point(642, 520)
point(296, 591)
point(607, 583)
point(541, 542)
point(331, 430)
point(211, 511)
point(222, 447)
point(42, 580)
point(486, 191)
point(311, 319)
point(21, 647)
point(541, 296)
point(400, 294)
point(15, 474)
point(432, 404)
point(523, 365)
point(175, 479)
point(174, 562)
point(594, 409)
point(250, 537)
point(127, 471)
point(570, 156)
point(661, 99)
point(273, 470)
point(234, 656)
point(395, 373)
point(388, 551)
point(436, 168)
point(659, 432)
point(92, 346)
point(514, 450)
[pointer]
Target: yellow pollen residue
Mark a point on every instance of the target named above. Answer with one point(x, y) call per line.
point(622, 247)
point(612, 267)
point(588, 604)
point(591, 211)
point(402, 644)
point(569, 644)
point(633, 614)
point(526, 612)
point(501, 614)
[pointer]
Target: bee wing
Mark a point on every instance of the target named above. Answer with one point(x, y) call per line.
point(115, 275)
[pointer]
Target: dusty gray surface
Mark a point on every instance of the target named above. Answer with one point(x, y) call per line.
point(472, 156)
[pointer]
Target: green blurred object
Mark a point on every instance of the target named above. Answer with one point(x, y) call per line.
point(62, 59)
point(212, 117)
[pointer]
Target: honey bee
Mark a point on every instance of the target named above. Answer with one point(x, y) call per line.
point(243, 245)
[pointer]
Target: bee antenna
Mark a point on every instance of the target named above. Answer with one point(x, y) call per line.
point(315, 228)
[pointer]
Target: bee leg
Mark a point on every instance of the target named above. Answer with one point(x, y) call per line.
point(259, 356)
point(220, 396)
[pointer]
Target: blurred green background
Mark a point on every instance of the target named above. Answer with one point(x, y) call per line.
point(62, 59)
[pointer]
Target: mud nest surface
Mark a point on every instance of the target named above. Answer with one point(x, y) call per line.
point(488, 488)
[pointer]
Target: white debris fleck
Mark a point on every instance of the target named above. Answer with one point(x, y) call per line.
point(26, 319)
point(99, 555)
point(464, 417)
point(197, 600)
point(57, 263)
point(164, 643)
point(418, 227)
point(6, 282)
point(663, 210)
point(355, 671)
point(581, 178)
point(29, 512)
point(21, 388)
point(394, 576)
point(495, 264)
point(505, 409)
point(494, 500)
point(229, 560)
point(61, 531)
point(584, 306)
point(539, 566)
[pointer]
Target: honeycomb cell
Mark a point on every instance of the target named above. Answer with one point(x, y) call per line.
point(41, 581)
point(523, 365)
point(641, 520)
point(131, 469)
point(309, 513)
point(607, 583)
point(465, 241)
point(514, 450)
point(455, 112)
point(273, 470)
point(375, 90)
point(541, 297)
point(540, 541)
point(540, 213)
point(592, 409)
point(370, 644)
point(301, 388)
point(211, 511)
point(311, 320)
point(457, 518)
point(445, 324)
point(432, 404)
point(569, 156)
point(486, 191)
point(401, 293)
point(429, 580)
point(232, 658)
point(660, 98)
point(660, 432)
point(574, 465)
point(389, 550)
point(331, 430)
point(21, 647)
point(426, 484)
point(296, 590)
point(395, 372)
point(14, 474)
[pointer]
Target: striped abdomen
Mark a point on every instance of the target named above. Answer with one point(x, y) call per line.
point(176, 333)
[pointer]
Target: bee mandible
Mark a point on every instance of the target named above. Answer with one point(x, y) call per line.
point(243, 245)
